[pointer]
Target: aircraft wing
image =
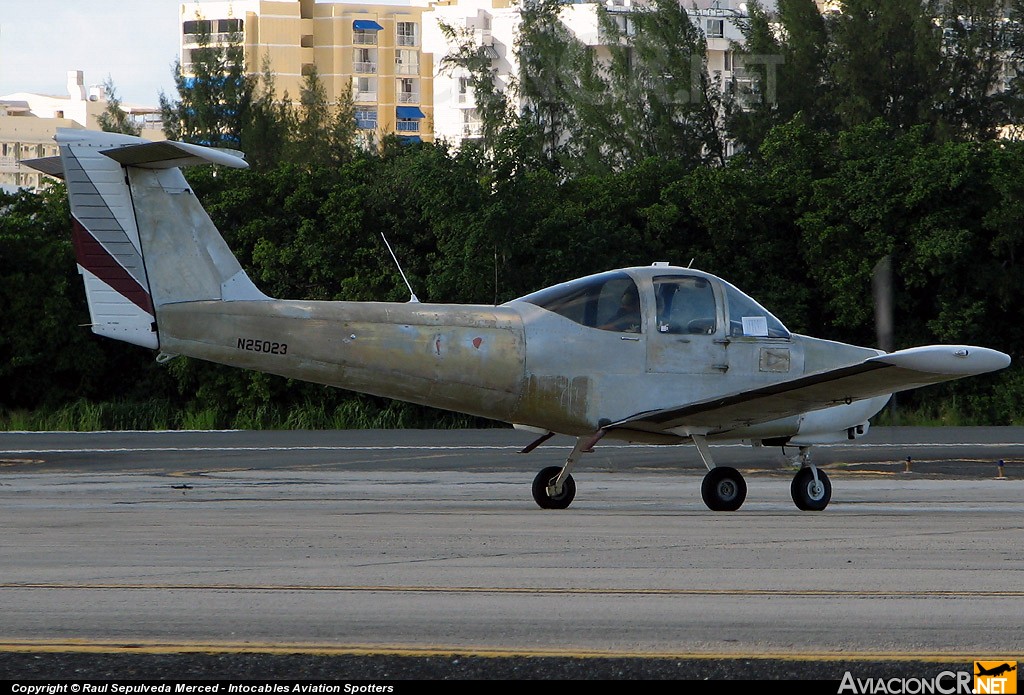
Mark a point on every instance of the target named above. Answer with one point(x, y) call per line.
point(876, 376)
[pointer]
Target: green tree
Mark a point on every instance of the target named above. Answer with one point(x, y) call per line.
point(661, 100)
point(115, 119)
point(323, 133)
point(886, 64)
point(787, 55)
point(976, 37)
point(266, 132)
point(48, 355)
point(214, 94)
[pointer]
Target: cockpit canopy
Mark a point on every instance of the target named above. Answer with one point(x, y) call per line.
point(684, 302)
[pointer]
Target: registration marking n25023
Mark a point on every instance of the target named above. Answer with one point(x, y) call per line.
point(267, 346)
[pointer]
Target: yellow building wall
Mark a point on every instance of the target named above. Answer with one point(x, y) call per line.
point(293, 36)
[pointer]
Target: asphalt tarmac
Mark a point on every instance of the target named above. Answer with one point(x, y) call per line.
point(420, 555)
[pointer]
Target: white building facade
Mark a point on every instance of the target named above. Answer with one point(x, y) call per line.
point(494, 25)
point(29, 121)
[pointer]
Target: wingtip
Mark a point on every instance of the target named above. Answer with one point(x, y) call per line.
point(959, 360)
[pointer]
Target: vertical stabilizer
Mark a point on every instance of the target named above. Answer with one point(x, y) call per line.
point(141, 238)
point(106, 241)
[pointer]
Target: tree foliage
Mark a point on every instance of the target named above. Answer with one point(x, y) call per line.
point(114, 119)
point(214, 94)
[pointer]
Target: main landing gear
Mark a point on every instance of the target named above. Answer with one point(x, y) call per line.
point(723, 488)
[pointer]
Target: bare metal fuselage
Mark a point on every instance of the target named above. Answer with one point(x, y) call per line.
point(515, 363)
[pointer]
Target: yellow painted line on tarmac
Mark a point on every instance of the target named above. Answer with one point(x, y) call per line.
point(830, 593)
point(144, 646)
point(19, 462)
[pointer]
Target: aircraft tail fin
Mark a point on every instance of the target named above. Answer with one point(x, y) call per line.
point(141, 238)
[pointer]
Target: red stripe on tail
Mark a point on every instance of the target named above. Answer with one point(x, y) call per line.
point(95, 258)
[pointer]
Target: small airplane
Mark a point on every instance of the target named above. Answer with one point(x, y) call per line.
point(657, 354)
point(996, 671)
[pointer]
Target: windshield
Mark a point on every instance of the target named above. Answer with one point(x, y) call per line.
point(748, 318)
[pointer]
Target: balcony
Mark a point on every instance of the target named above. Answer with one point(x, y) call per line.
point(370, 68)
point(408, 98)
point(217, 39)
point(364, 38)
point(407, 69)
point(365, 96)
point(404, 40)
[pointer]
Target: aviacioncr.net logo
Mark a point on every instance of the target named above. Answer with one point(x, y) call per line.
point(945, 683)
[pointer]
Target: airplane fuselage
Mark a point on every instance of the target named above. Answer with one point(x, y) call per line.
point(515, 363)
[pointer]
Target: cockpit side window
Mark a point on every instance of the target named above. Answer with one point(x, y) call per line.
point(686, 304)
point(748, 318)
point(610, 302)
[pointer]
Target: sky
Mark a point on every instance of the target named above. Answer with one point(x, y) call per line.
point(133, 42)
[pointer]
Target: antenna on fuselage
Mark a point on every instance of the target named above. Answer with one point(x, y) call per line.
point(412, 295)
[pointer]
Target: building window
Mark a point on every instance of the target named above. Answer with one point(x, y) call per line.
point(407, 62)
point(366, 89)
point(218, 30)
point(407, 34)
point(364, 37)
point(365, 60)
point(408, 119)
point(407, 92)
point(716, 28)
point(408, 125)
point(471, 124)
point(366, 119)
point(196, 26)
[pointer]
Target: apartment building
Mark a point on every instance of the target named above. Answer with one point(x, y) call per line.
point(373, 50)
point(494, 24)
point(29, 121)
point(391, 56)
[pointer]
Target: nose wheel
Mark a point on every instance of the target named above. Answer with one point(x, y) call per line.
point(547, 494)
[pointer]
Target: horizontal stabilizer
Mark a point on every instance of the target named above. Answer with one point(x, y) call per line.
point(47, 165)
point(169, 154)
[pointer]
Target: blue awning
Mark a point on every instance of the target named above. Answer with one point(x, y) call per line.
point(366, 25)
point(409, 112)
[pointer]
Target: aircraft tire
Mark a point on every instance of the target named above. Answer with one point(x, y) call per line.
point(540, 489)
point(723, 489)
point(807, 496)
